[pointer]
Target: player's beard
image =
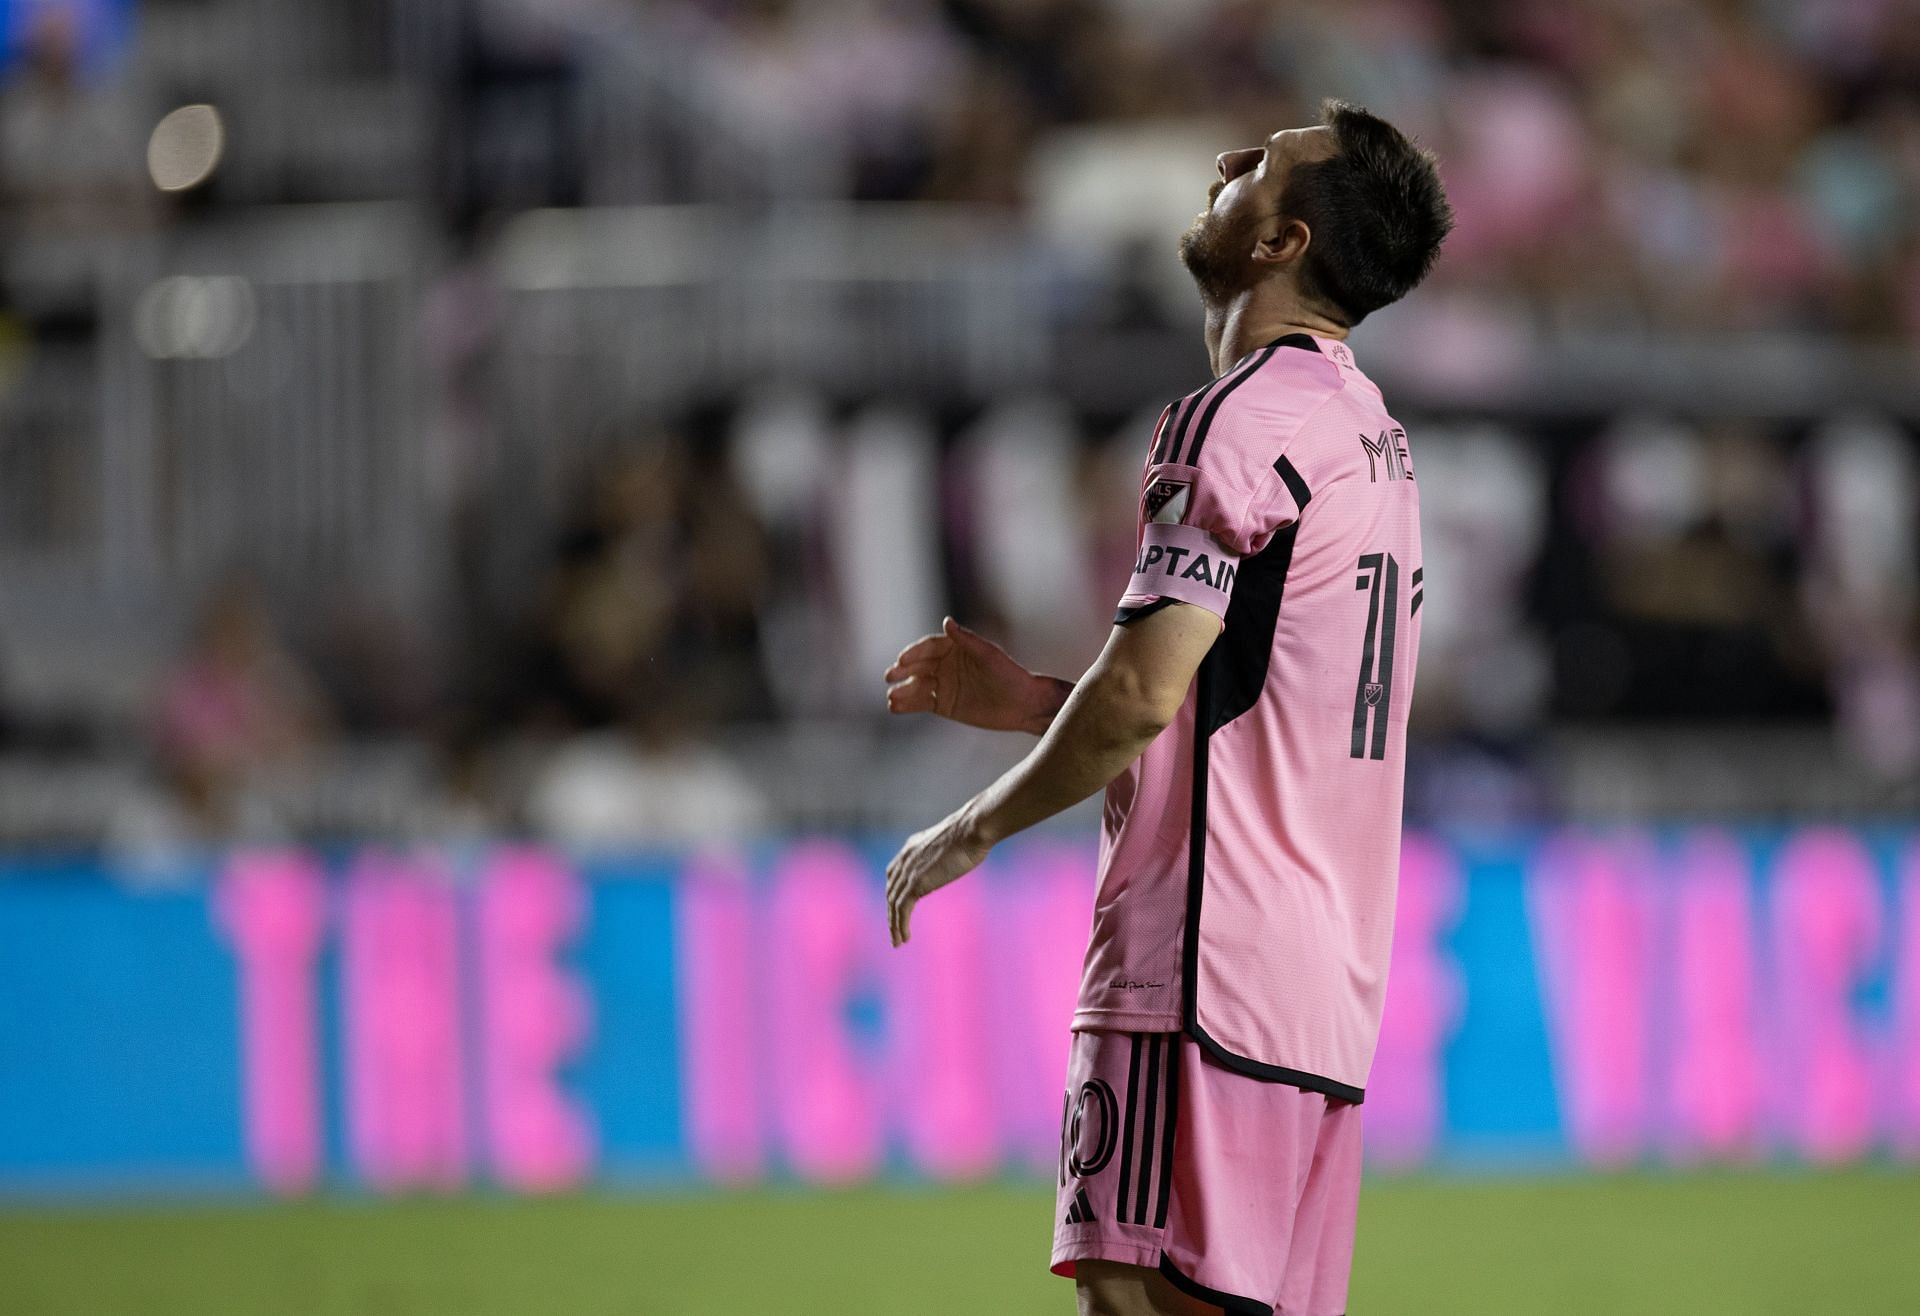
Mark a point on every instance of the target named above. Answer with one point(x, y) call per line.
point(1217, 252)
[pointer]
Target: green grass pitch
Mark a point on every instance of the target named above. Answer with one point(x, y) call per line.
point(1629, 1245)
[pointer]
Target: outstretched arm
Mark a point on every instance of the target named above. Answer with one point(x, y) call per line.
point(1129, 695)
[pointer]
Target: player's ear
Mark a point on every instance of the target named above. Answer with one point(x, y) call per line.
point(1282, 245)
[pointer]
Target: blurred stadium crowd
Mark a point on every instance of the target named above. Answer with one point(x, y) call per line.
point(500, 415)
point(1626, 163)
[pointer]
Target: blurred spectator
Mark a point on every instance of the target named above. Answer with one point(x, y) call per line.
point(373, 665)
point(1864, 583)
point(1695, 561)
point(665, 562)
point(71, 164)
point(1744, 165)
point(235, 706)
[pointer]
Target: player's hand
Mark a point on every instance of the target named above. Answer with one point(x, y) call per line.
point(967, 678)
point(928, 861)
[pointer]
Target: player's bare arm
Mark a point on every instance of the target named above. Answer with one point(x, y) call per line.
point(1126, 699)
point(965, 677)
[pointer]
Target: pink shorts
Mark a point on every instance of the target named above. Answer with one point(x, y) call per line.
point(1241, 1192)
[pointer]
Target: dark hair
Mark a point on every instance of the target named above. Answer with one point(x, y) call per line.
point(1376, 210)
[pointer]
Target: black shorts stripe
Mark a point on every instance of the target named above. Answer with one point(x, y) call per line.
point(1166, 1137)
point(1126, 1136)
point(1154, 1047)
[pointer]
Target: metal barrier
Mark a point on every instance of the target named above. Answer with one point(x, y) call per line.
point(282, 401)
point(51, 508)
point(610, 318)
point(253, 402)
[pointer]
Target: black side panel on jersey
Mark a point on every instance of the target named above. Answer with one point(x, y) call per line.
point(1231, 679)
point(1240, 656)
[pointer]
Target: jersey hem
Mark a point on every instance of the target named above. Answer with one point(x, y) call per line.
point(1260, 1069)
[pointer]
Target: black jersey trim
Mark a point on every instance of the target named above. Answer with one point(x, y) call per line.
point(1219, 387)
point(1161, 430)
point(1173, 438)
point(1127, 616)
point(1305, 341)
point(1177, 435)
point(1220, 395)
point(1231, 1303)
point(1290, 476)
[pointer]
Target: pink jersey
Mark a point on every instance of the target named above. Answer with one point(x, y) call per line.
point(1249, 859)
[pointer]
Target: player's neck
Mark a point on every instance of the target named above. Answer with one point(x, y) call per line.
point(1251, 321)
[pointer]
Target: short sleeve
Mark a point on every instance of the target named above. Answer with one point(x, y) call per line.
point(1196, 525)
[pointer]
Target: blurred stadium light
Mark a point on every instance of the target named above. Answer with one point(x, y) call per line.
point(185, 147)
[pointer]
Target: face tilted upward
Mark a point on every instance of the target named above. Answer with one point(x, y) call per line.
point(1244, 207)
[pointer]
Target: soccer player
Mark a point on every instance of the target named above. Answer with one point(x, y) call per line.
point(1247, 718)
